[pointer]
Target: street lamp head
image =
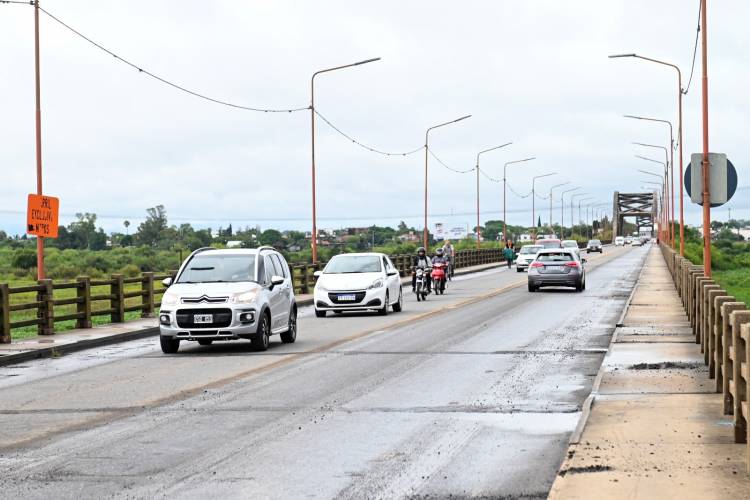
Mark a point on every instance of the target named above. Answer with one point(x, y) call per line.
point(615, 56)
point(462, 118)
point(367, 61)
point(650, 159)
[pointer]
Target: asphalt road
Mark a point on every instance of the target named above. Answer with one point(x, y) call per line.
point(471, 394)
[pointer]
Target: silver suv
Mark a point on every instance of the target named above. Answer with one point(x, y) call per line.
point(229, 295)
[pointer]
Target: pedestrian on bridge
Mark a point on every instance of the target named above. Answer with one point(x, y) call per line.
point(509, 252)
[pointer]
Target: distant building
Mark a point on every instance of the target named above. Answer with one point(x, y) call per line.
point(234, 244)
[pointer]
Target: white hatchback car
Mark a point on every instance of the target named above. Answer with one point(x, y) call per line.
point(358, 282)
point(573, 245)
point(526, 256)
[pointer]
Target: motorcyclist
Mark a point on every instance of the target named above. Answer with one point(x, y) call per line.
point(440, 258)
point(421, 260)
point(450, 254)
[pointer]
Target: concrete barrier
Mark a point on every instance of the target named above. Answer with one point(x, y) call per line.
point(715, 366)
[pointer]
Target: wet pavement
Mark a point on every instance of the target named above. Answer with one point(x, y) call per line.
point(472, 394)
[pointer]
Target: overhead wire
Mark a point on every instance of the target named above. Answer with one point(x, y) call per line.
point(362, 145)
point(164, 80)
point(441, 162)
point(695, 48)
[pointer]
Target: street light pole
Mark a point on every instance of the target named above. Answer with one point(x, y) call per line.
point(505, 222)
point(579, 206)
point(671, 162)
point(426, 233)
point(312, 129)
point(479, 231)
point(679, 124)
point(573, 197)
point(533, 200)
point(38, 120)
point(550, 202)
point(706, 164)
point(562, 210)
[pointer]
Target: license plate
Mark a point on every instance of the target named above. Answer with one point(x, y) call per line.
point(554, 268)
point(347, 298)
point(203, 318)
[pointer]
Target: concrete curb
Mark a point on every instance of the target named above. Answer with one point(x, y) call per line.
point(47, 352)
point(575, 437)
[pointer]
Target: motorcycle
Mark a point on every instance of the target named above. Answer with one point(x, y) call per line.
point(420, 287)
point(438, 277)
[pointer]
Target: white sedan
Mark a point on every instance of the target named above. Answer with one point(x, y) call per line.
point(358, 282)
point(526, 256)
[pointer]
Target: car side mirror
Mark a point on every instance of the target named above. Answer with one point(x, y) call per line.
point(167, 282)
point(392, 273)
point(276, 280)
point(318, 274)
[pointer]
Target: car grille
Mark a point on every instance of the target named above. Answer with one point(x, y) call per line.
point(221, 318)
point(358, 297)
point(204, 300)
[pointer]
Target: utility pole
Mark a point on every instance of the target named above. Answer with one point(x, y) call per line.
point(39, 239)
point(706, 165)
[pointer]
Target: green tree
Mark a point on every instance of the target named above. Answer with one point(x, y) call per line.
point(150, 230)
point(272, 237)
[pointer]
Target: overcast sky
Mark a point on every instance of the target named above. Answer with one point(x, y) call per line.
point(532, 72)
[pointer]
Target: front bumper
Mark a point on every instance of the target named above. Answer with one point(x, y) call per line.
point(522, 264)
point(237, 328)
point(371, 300)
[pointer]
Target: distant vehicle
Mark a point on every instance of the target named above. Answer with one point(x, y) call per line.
point(526, 256)
point(572, 244)
point(619, 241)
point(229, 295)
point(549, 243)
point(594, 246)
point(557, 267)
point(628, 240)
point(637, 242)
point(358, 282)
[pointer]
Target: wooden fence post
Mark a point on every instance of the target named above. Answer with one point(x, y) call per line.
point(46, 311)
point(305, 278)
point(147, 299)
point(5, 314)
point(83, 293)
point(117, 303)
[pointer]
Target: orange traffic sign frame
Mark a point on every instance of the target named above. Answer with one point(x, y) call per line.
point(42, 215)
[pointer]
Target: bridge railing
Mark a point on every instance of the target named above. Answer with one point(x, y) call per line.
point(721, 325)
point(86, 301)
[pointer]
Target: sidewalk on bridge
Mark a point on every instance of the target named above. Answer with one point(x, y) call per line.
point(44, 346)
point(656, 427)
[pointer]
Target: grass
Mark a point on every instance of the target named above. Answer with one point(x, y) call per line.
point(736, 282)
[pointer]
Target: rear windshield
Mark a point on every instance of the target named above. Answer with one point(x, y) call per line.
point(550, 244)
point(531, 249)
point(353, 264)
point(555, 257)
point(219, 269)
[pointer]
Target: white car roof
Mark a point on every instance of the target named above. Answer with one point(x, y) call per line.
point(361, 254)
point(557, 250)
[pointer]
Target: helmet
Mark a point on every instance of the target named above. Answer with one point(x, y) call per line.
point(421, 251)
point(439, 251)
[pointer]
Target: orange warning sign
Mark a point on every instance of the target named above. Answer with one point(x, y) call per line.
point(42, 215)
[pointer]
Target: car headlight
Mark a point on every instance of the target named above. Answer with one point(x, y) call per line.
point(320, 287)
point(244, 297)
point(378, 283)
point(169, 299)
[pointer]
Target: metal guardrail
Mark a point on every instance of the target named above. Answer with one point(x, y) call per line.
point(721, 325)
point(49, 302)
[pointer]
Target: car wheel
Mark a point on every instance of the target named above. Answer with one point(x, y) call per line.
point(579, 287)
point(289, 336)
point(532, 288)
point(169, 345)
point(205, 342)
point(399, 305)
point(384, 310)
point(260, 338)
point(583, 287)
point(320, 314)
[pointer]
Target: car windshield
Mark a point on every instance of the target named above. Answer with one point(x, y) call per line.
point(531, 249)
point(595, 242)
point(219, 269)
point(555, 257)
point(569, 244)
point(350, 264)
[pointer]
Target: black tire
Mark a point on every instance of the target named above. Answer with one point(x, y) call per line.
point(205, 342)
point(384, 310)
point(399, 305)
point(169, 345)
point(260, 338)
point(532, 288)
point(424, 295)
point(289, 336)
point(419, 296)
point(579, 287)
point(584, 284)
point(320, 314)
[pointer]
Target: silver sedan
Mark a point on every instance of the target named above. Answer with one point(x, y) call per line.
point(557, 267)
